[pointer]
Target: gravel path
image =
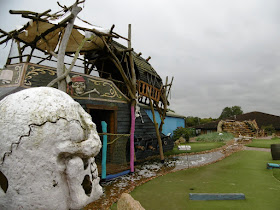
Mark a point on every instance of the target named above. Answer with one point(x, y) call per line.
point(190, 161)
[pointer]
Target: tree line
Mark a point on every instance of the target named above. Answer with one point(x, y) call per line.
point(227, 112)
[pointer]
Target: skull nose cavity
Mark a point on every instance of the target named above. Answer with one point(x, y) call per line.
point(87, 185)
point(85, 161)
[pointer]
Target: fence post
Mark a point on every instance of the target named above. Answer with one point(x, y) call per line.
point(104, 150)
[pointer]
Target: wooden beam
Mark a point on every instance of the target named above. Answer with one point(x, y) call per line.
point(44, 13)
point(114, 33)
point(126, 50)
point(20, 12)
point(132, 70)
point(164, 101)
point(148, 58)
point(112, 28)
point(19, 51)
point(33, 18)
point(169, 88)
point(99, 33)
point(117, 63)
point(157, 129)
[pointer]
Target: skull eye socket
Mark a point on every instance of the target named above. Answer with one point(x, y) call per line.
point(3, 182)
point(87, 185)
point(76, 84)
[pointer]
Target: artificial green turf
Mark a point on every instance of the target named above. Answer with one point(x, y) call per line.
point(243, 172)
point(263, 143)
point(195, 147)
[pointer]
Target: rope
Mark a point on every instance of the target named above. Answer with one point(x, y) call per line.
point(113, 134)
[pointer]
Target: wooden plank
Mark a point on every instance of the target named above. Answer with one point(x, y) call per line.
point(216, 196)
point(144, 88)
point(157, 130)
point(103, 107)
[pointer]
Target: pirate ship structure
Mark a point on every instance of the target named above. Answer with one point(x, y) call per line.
point(108, 79)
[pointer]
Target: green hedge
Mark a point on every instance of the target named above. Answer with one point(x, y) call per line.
point(180, 131)
point(215, 137)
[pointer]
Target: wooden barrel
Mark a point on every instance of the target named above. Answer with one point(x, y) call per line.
point(275, 151)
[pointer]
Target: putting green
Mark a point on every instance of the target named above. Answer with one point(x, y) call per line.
point(243, 172)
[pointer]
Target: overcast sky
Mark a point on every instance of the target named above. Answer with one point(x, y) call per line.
point(220, 52)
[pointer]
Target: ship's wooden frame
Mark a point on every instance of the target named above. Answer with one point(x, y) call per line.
point(106, 96)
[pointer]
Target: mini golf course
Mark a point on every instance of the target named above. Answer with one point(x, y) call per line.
point(263, 143)
point(195, 147)
point(243, 172)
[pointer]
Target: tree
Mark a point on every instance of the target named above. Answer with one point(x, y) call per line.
point(206, 120)
point(230, 112)
point(192, 121)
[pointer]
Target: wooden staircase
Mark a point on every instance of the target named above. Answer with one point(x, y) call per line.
point(238, 128)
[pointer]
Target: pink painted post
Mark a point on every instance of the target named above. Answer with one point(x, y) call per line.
point(132, 129)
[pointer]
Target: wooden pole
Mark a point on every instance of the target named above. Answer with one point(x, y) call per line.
point(63, 45)
point(117, 63)
point(133, 75)
point(133, 102)
point(157, 130)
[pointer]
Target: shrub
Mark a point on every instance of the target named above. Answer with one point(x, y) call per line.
point(215, 137)
point(180, 131)
point(191, 132)
point(269, 129)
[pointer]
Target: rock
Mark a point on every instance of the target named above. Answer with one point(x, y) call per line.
point(48, 143)
point(182, 140)
point(126, 202)
point(177, 142)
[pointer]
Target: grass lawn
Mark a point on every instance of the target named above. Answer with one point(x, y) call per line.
point(243, 172)
point(263, 143)
point(195, 147)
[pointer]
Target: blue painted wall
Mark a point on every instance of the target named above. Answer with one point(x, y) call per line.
point(170, 123)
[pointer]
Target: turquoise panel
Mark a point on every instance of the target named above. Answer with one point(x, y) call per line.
point(170, 123)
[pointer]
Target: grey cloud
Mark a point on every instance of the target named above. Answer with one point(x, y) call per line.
point(221, 53)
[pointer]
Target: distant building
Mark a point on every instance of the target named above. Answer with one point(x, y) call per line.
point(243, 121)
point(172, 121)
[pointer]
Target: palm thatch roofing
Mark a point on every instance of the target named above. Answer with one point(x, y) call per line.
point(44, 33)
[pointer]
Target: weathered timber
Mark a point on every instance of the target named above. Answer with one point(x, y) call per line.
point(63, 45)
point(157, 129)
point(117, 63)
point(67, 71)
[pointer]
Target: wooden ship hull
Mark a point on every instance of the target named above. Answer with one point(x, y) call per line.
point(102, 99)
point(124, 79)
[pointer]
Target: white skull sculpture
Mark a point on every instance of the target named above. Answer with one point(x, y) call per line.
point(47, 148)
